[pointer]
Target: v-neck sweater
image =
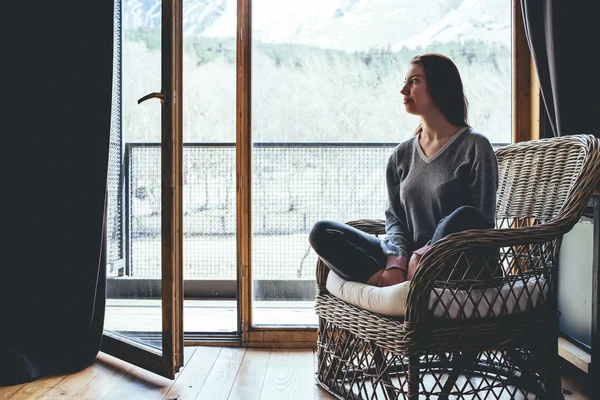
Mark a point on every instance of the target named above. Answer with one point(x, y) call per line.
point(422, 190)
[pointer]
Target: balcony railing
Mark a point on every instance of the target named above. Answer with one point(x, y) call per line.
point(293, 186)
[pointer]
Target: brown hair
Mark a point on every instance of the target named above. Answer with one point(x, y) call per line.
point(445, 86)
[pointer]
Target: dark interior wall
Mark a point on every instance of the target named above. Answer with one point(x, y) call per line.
point(56, 83)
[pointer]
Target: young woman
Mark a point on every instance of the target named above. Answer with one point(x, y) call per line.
point(440, 181)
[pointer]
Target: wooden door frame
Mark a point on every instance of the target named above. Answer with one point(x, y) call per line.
point(168, 361)
point(172, 186)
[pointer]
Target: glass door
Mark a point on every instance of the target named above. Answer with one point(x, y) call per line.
point(209, 177)
point(327, 114)
point(143, 323)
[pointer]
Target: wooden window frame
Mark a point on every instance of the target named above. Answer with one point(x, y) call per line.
point(525, 127)
point(526, 87)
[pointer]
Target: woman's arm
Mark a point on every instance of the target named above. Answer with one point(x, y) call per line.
point(484, 181)
point(397, 244)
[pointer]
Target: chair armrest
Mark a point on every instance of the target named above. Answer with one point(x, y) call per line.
point(432, 262)
point(322, 273)
point(372, 226)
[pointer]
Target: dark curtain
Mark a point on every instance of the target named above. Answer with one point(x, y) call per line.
point(56, 89)
point(563, 37)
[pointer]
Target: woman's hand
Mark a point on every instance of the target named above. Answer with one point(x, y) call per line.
point(394, 272)
point(391, 276)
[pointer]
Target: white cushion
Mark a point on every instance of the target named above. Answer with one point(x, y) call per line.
point(391, 300)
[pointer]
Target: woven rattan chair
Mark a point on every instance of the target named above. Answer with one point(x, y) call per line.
point(506, 345)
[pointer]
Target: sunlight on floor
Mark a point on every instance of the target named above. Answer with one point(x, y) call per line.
point(206, 315)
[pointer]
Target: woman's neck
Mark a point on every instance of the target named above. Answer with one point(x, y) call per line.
point(437, 128)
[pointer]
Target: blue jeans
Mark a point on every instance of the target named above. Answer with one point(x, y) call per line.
point(355, 255)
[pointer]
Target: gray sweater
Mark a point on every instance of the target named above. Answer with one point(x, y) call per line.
point(422, 190)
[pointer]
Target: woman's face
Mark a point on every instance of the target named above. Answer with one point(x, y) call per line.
point(417, 100)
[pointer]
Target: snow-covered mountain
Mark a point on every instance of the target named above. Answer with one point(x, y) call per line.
point(349, 25)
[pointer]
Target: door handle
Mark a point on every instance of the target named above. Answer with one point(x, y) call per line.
point(158, 95)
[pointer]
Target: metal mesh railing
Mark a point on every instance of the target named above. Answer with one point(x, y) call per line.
point(294, 185)
point(114, 178)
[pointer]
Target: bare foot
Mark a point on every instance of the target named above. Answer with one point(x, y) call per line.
point(374, 279)
point(392, 276)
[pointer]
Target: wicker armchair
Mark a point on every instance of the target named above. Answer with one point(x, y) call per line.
point(506, 345)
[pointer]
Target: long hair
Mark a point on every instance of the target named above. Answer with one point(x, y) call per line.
point(445, 86)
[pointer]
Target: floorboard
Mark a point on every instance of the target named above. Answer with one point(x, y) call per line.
point(210, 373)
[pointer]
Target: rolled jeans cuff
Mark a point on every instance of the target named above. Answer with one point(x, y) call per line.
point(400, 262)
point(422, 250)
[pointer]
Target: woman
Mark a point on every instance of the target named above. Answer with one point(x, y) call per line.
point(440, 181)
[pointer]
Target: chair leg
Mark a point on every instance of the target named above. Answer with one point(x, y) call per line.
point(328, 364)
point(530, 380)
point(413, 377)
point(382, 369)
point(458, 365)
point(553, 381)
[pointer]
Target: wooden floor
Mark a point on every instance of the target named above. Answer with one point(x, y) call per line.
point(210, 373)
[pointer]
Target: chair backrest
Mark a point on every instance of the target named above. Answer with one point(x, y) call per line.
point(541, 180)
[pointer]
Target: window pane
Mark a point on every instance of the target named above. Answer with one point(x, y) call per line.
point(326, 112)
point(133, 306)
point(209, 165)
point(209, 172)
